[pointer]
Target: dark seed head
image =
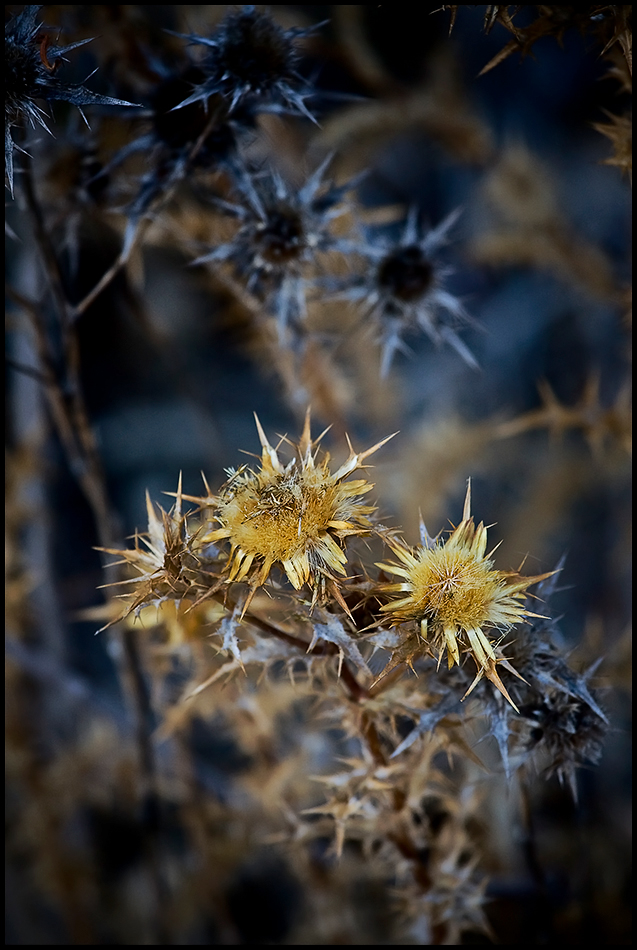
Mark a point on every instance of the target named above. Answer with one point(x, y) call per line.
point(184, 126)
point(281, 237)
point(406, 273)
point(253, 51)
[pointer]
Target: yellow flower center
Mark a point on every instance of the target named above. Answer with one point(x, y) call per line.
point(276, 517)
point(454, 588)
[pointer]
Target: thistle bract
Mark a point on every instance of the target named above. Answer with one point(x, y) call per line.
point(163, 558)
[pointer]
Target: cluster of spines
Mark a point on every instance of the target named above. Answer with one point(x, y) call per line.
point(297, 518)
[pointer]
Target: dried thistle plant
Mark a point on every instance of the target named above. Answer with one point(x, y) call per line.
point(283, 232)
point(250, 56)
point(612, 24)
point(619, 129)
point(601, 426)
point(292, 741)
point(455, 595)
point(402, 290)
point(164, 558)
point(297, 516)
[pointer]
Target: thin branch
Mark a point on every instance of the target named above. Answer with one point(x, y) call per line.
point(177, 175)
point(27, 370)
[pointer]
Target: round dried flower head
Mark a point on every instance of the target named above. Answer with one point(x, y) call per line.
point(251, 56)
point(402, 289)
point(297, 516)
point(453, 592)
point(283, 232)
point(31, 66)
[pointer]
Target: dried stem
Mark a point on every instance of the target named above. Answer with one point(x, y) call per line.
point(70, 418)
point(178, 174)
point(357, 692)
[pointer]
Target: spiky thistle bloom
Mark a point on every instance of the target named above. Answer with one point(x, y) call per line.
point(283, 230)
point(31, 66)
point(168, 567)
point(297, 516)
point(250, 57)
point(452, 590)
point(402, 289)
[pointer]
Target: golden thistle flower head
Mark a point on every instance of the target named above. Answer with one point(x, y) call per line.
point(452, 590)
point(296, 515)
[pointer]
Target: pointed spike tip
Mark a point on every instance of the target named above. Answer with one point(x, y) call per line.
point(466, 512)
point(267, 448)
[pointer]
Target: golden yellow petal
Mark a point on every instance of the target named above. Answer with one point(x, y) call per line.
point(265, 570)
point(394, 569)
point(337, 555)
point(397, 605)
point(245, 567)
point(403, 553)
point(491, 674)
point(302, 565)
point(235, 564)
point(358, 487)
point(269, 454)
point(480, 646)
point(355, 460)
point(480, 541)
point(523, 582)
point(218, 534)
point(453, 654)
point(292, 570)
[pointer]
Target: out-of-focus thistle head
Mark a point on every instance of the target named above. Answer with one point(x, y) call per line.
point(283, 230)
point(30, 74)
point(199, 136)
point(177, 129)
point(451, 589)
point(252, 57)
point(565, 732)
point(174, 133)
point(561, 725)
point(402, 289)
point(297, 516)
